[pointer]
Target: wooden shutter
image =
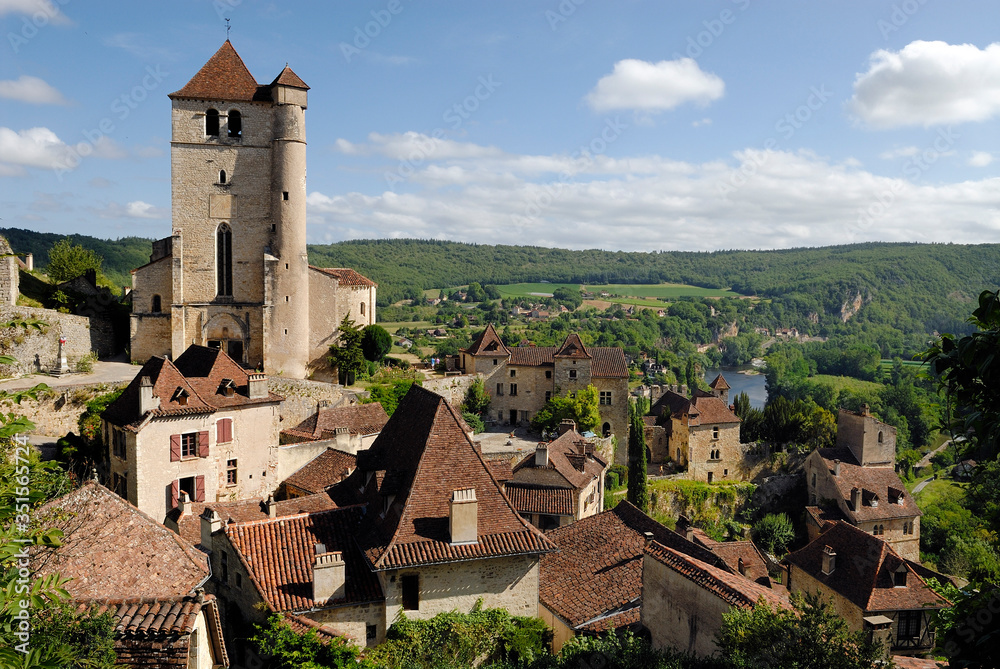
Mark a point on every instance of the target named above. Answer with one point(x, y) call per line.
point(175, 493)
point(203, 444)
point(224, 430)
point(199, 488)
point(175, 447)
point(229, 429)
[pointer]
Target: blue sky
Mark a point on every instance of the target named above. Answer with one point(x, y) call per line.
point(578, 124)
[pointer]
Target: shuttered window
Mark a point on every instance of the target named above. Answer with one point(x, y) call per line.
point(199, 488)
point(202, 444)
point(224, 431)
point(175, 447)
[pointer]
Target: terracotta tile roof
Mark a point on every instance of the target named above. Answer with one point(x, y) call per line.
point(112, 550)
point(903, 662)
point(198, 375)
point(326, 469)
point(223, 77)
point(598, 568)
point(731, 552)
point(289, 78)
point(303, 625)
point(702, 409)
point(719, 383)
point(359, 419)
point(532, 356)
point(630, 616)
point(423, 454)
point(150, 616)
point(607, 362)
point(488, 344)
point(533, 499)
point(279, 555)
point(345, 276)
point(863, 572)
point(731, 588)
point(877, 480)
point(501, 470)
point(562, 453)
point(572, 347)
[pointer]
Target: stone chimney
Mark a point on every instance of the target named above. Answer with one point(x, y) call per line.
point(329, 576)
point(566, 425)
point(542, 455)
point(689, 533)
point(836, 467)
point(210, 524)
point(463, 518)
point(29, 261)
point(258, 385)
point(855, 498)
point(183, 504)
point(878, 629)
point(146, 400)
point(647, 538)
point(829, 560)
point(271, 506)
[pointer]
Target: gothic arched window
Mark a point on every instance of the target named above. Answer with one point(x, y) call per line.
point(224, 260)
point(212, 123)
point(222, 176)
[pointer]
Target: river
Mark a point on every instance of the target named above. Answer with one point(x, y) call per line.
point(751, 384)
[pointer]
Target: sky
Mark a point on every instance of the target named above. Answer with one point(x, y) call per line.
point(625, 125)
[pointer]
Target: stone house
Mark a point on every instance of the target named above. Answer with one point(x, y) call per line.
point(701, 433)
point(234, 273)
point(422, 526)
point(867, 580)
point(561, 482)
point(202, 425)
point(118, 559)
point(856, 481)
point(520, 380)
point(593, 584)
point(684, 597)
point(740, 557)
point(359, 424)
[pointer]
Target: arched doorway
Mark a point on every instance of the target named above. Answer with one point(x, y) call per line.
point(606, 430)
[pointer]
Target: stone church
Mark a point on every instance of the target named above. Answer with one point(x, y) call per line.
point(234, 273)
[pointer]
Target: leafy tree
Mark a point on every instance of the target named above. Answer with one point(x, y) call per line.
point(474, 421)
point(638, 493)
point(477, 400)
point(774, 532)
point(389, 394)
point(811, 636)
point(376, 342)
point(751, 419)
point(572, 299)
point(286, 648)
point(346, 353)
point(67, 261)
point(583, 409)
point(969, 631)
point(86, 639)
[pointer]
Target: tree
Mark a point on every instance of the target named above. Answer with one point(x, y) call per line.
point(811, 636)
point(477, 400)
point(773, 533)
point(583, 409)
point(285, 648)
point(346, 354)
point(376, 342)
point(637, 491)
point(67, 261)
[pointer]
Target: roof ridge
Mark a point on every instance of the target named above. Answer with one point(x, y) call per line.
point(291, 516)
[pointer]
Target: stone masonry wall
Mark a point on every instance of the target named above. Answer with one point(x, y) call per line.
point(301, 398)
point(58, 412)
point(38, 350)
point(9, 276)
point(452, 388)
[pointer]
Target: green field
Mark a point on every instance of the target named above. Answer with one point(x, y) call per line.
point(839, 383)
point(642, 294)
point(887, 363)
point(940, 490)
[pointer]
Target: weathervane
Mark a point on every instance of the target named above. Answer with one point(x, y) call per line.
point(227, 29)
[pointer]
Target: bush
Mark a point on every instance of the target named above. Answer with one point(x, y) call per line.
point(474, 421)
point(375, 342)
point(621, 471)
point(774, 532)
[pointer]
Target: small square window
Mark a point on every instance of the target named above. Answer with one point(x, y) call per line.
point(231, 472)
point(513, 373)
point(274, 227)
point(548, 373)
point(572, 373)
point(284, 195)
point(371, 632)
point(495, 361)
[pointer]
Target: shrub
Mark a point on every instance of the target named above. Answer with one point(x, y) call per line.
point(774, 532)
point(474, 421)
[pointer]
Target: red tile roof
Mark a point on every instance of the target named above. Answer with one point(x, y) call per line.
point(877, 480)
point(303, 625)
point(223, 77)
point(863, 571)
point(326, 469)
point(279, 555)
point(606, 362)
point(289, 78)
point(359, 419)
point(423, 454)
point(903, 662)
point(488, 344)
point(731, 588)
point(731, 552)
point(572, 347)
point(113, 550)
point(702, 409)
point(598, 568)
point(501, 470)
point(719, 383)
point(533, 499)
point(150, 616)
point(345, 276)
point(561, 453)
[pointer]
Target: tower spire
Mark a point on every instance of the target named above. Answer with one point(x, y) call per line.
point(227, 29)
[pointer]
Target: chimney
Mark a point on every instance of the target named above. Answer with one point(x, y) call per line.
point(836, 467)
point(329, 576)
point(146, 400)
point(566, 425)
point(29, 261)
point(855, 498)
point(866, 410)
point(183, 504)
point(829, 560)
point(689, 533)
point(464, 516)
point(258, 385)
point(878, 629)
point(272, 507)
point(210, 524)
point(648, 538)
point(542, 455)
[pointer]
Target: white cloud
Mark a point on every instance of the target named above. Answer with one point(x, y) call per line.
point(980, 159)
point(651, 87)
point(701, 122)
point(31, 8)
point(901, 152)
point(929, 83)
point(35, 147)
point(32, 90)
point(135, 209)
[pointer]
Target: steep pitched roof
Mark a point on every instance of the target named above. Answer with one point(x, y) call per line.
point(883, 482)
point(279, 555)
point(289, 78)
point(488, 344)
point(224, 77)
point(346, 276)
point(606, 361)
point(568, 449)
point(423, 454)
point(359, 419)
point(711, 410)
point(534, 499)
point(598, 568)
point(732, 552)
point(113, 550)
point(719, 383)
point(326, 469)
point(731, 588)
point(863, 571)
point(572, 347)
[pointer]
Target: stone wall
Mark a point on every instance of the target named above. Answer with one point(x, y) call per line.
point(58, 412)
point(452, 388)
point(38, 350)
point(706, 439)
point(9, 276)
point(302, 397)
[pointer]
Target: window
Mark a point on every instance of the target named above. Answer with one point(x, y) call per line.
point(500, 389)
point(157, 305)
point(189, 445)
point(371, 633)
point(212, 123)
point(572, 373)
point(231, 475)
point(606, 430)
point(118, 442)
point(222, 176)
point(513, 373)
point(362, 308)
point(605, 398)
point(224, 573)
point(513, 389)
point(224, 428)
point(495, 361)
point(548, 373)
point(715, 432)
point(239, 580)
point(908, 625)
point(880, 436)
point(410, 586)
point(235, 124)
point(284, 195)
point(814, 480)
point(224, 260)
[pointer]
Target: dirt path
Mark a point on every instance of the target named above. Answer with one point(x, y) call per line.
point(926, 460)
